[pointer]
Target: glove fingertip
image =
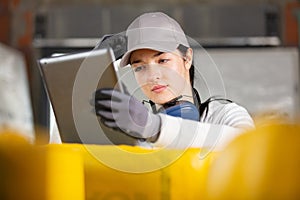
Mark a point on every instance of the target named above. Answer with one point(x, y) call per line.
point(106, 90)
point(98, 113)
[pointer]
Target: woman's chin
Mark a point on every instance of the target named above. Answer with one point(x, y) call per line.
point(162, 101)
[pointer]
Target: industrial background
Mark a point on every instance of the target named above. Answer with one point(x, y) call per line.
point(254, 43)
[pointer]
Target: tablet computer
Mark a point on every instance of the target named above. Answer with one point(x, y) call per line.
point(71, 81)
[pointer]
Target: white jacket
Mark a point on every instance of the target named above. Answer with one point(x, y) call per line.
point(221, 124)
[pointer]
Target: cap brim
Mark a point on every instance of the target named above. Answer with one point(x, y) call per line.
point(162, 46)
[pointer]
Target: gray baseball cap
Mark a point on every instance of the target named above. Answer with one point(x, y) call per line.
point(156, 31)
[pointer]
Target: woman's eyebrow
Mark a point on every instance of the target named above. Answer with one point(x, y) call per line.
point(158, 54)
point(136, 61)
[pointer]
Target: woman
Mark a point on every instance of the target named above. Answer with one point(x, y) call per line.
point(161, 59)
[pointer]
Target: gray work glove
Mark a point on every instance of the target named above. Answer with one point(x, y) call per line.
point(123, 112)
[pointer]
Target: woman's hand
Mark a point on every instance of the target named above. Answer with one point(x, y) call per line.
point(121, 111)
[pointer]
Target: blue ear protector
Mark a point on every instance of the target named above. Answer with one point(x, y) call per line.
point(183, 109)
point(176, 108)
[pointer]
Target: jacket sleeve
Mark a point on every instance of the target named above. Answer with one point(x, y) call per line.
point(223, 124)
point(181, 133)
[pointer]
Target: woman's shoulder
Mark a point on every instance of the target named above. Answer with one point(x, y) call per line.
point(226, 112)
point(213, 104)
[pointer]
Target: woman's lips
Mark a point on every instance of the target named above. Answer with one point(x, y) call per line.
point(158, 88)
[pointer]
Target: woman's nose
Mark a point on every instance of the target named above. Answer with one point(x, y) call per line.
point(155, 72)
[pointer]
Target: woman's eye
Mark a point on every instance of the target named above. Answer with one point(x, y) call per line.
point(161, 61)
point(138, 68)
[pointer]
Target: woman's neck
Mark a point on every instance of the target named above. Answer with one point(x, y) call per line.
point(186, 95)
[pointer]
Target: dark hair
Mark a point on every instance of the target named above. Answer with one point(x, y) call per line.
point(183, 50)
point(197, 101)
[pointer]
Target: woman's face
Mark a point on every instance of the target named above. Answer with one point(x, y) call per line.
point(162, 76)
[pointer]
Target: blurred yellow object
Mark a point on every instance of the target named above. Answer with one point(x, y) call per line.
point(38, 173)
point(64, 173)
point(259, 165)
point(179, 177)
point(75, 171)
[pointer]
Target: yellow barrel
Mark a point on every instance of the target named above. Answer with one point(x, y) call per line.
point(77, 172)
point(258, 165)
point(39, 172)
point(143, 174)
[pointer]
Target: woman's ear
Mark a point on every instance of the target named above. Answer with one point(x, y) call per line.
point(188, 58)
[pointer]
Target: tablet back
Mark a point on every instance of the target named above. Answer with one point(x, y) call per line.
point(70, 82)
